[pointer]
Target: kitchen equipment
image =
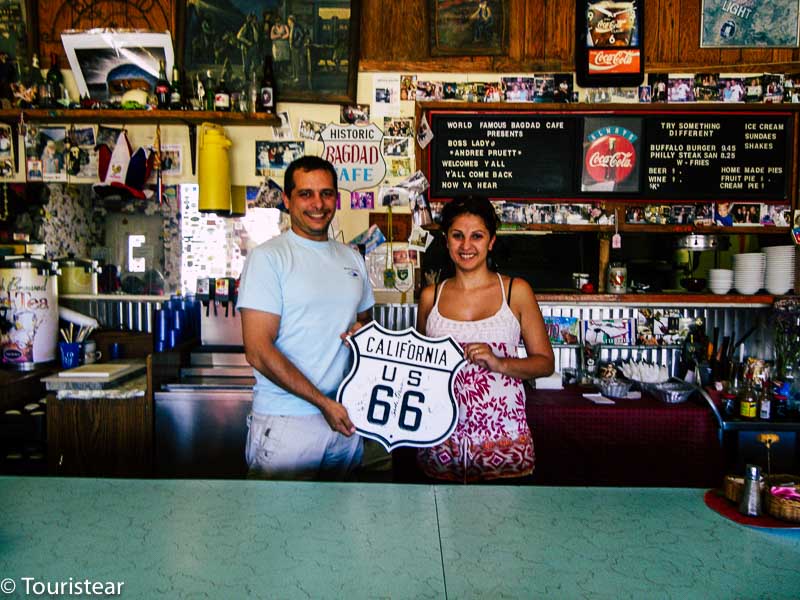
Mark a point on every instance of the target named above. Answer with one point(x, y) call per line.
point(77, 276)
point(696, 243)
point(213, 170)
point(98, 376)
point(614, 388)
point(671, 392)
point(28, 311)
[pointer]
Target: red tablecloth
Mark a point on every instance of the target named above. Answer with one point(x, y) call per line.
point(632, 443)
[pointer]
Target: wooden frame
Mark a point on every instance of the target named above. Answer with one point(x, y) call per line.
point(475, 28)
point(320, 63)
point(19, 44)
point(729, 25)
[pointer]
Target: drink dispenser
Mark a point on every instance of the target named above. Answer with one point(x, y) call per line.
point(213, 170)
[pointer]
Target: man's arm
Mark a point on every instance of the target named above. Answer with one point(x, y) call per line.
point(259, 330)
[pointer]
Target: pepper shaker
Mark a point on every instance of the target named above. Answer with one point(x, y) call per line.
point(751, 497)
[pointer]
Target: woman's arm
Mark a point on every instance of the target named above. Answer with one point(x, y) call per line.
point(540, 361)
point(424, 308)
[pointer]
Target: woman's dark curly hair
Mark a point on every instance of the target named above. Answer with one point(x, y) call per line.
point(472, 205)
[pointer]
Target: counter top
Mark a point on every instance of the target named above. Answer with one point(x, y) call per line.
point(237, 539)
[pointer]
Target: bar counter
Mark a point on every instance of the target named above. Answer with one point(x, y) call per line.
point(238, 539)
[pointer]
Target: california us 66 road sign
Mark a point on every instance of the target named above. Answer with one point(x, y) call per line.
point(400, 389)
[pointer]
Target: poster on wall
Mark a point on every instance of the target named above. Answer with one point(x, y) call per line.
point(750, 23)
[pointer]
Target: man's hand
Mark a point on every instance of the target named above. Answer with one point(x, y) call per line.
point(353, 328)
point(338, 419)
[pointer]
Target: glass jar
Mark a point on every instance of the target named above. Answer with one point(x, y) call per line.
point(617, 281)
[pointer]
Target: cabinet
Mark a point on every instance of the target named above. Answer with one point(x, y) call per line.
point(100, 437)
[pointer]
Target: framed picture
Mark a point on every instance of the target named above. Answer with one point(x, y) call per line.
point(474, 27)
point(313, 45)
point(17, 29)
point(773, 24)
point(108, 64)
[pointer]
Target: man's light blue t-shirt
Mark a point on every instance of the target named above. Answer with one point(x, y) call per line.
point(317, 288)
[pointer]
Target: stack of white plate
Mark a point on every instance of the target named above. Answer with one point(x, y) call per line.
point(780, 269)
point(748, 272)
point(720, 280)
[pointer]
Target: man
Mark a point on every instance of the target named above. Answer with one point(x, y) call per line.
point(297, 46)
point(300, 295)
point(483, 21)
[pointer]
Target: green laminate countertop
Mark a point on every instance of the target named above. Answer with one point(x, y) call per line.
point(240, 539)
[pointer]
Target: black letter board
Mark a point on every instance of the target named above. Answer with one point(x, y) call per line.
point(682, 157)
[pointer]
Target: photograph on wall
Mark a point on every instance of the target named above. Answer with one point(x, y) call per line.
point(108, 64)
point(398, 126)
point(778, 215)
point(658, 83)
point(429, 90)
point(681, 88)
point(611, 148)
point(108, 136)
point(313, 45)
point(731, 88)
point(746, 213)
point(396, 146)
point(172, 159)
point(50, 150)
point(6, 153)
point(773, 87)
point(284, 130)
point(475, 28)
point(706, 87)
point(753, 89)
point(362, 200)
point(682, 214)
point(408, 87)
point(310, 130)
point(749, 24)
point(276, 155)
point(356, 114)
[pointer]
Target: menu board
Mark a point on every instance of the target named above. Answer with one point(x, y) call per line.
point(717, 156)
point(679, 156)
point(510, 155)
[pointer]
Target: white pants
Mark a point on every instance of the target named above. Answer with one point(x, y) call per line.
point(299, 448)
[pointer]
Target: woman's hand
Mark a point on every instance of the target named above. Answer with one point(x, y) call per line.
point(482, 355)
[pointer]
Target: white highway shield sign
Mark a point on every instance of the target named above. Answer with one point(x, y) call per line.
point(400, 389)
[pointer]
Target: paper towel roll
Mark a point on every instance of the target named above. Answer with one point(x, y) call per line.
point(78, 318)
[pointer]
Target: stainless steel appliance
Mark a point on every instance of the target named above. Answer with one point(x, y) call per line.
point(200, 420)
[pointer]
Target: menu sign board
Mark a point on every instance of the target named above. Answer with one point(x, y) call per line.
point(674, 155)
point(511, 155)
point(717, 156)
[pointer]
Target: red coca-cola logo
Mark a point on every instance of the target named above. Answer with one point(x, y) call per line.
point(610, 158)
point(620, 57)
point(614, 61)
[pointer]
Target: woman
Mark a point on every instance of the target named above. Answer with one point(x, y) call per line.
point(486, 313)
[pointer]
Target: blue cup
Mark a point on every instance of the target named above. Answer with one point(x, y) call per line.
point(115, 351)
point(71, 353)
point(161, 325)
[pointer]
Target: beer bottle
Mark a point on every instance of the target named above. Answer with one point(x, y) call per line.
point(222, 97)
point(162, 90)
point(175, 96)
point(55, 82)
point(253, 93)
point(765, 403)
point(266, 99)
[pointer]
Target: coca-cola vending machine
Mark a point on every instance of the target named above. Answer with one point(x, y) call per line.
point(609, 47)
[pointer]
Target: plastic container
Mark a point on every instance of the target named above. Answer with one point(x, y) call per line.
point(213, 170)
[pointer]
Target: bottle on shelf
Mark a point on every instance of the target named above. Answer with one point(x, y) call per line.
point(266, 98)
point(198, 93)
point(222, 97)
point(748, 402)
point(55, 82)
point(176, 91)
point(253, 93)
point(162, 89)
point(209, 89)
point(765, 403)
point(36, 80)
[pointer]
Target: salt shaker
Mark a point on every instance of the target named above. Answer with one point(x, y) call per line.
point(751, 497)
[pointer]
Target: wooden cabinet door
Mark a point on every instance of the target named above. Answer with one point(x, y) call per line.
point(100, 437)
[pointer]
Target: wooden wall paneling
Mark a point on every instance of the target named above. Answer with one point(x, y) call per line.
point(56, 16)
point(517, 30)
point(689, 38)
point(559, 33)
point(755, 57)
point(652, 38)
point(535, 34)
point(668, 49)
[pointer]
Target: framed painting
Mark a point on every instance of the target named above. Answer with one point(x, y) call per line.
point(18, 32)
point(313, 45)
point(760, 24)
point(468, 27)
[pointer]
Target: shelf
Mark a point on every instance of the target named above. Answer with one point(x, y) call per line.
point(657, 300)
point(180, 117)
point(522, 229)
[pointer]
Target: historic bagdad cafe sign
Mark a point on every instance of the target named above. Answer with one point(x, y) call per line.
point(399, 391)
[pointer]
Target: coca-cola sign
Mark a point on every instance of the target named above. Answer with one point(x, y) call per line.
point(611, 154)
point(614, 61)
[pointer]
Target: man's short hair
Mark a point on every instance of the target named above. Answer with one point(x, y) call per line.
point(308, 163)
